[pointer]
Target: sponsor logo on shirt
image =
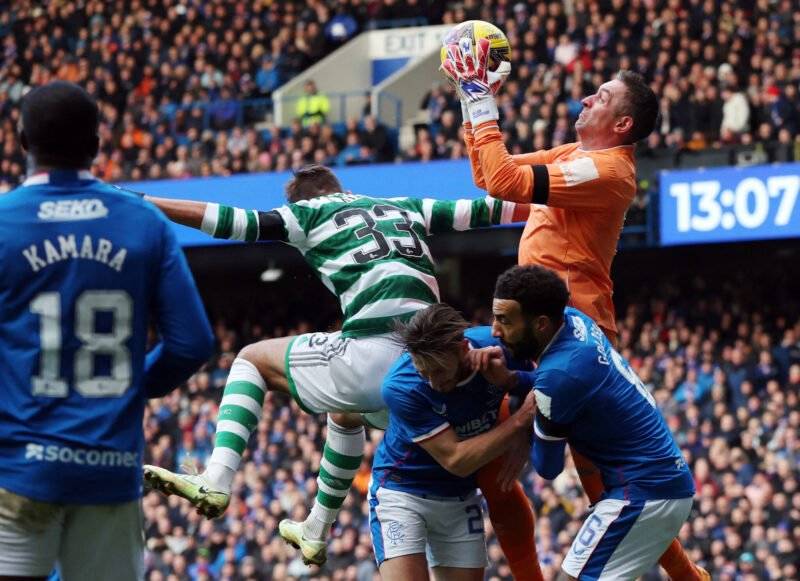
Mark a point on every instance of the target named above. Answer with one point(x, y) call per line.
point(72, 210)
point(81, 456)
point(579, 329)
point(477, 426)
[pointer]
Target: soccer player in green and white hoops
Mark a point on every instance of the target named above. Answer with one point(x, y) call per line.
point(370, 252)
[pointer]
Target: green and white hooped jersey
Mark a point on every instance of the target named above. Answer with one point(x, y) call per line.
point(372, 253)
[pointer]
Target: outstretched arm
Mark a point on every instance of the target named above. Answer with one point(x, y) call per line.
point(184, 212)
point(448, 216)
point(463, 457)
point(222, 221)
point(186, 337)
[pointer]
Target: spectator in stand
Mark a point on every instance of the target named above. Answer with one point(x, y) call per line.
point(313, 107)
point(375, 138)
point(268, 77)
point(159, 70)
point(735, 111)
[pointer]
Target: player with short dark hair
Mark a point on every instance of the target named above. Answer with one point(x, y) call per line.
point(59, 126)
point(443, 428)
point(310, 182)
point(587, 395)
point(640, 103)
point(86, 268)
point(373, 254)
point(581, 190)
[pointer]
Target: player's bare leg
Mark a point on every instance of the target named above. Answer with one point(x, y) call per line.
point(256, 367)
point(341, 459)
point(675, 561)
point(406, 567)
point(457, 574)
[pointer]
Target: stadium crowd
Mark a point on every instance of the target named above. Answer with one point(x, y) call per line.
point(723, 365)
point(171, 77)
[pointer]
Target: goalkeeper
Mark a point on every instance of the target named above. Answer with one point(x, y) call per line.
point(579, 191)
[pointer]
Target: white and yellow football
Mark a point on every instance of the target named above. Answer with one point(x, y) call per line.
point(499, 47)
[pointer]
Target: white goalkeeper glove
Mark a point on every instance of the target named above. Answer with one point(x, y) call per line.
point(475, 83)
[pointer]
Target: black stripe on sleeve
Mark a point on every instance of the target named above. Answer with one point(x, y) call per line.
point(541, 184)
point(551, 428)
point(270, 226)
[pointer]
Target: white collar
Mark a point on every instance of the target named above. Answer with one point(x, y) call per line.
point(550, 343)
point(40, 179)
point(471, 375)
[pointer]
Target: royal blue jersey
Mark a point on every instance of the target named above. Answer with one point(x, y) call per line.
point(417, 412)
point(588, 395)
point(86, 267)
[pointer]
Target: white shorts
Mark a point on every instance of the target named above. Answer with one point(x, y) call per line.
point(82, 541)
point(449, 531)
point(330, 373)
point(622, 540)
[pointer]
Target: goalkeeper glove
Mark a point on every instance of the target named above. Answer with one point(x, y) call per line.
point(475, 83)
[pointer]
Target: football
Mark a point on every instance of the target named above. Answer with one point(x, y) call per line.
point(500, 49)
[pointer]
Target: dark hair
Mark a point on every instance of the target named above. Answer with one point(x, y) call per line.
point(432, 332)
point(538, 290)
point(59, 125)
point(310, 182)
point(641, 103)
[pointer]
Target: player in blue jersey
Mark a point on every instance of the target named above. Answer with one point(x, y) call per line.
point(86, 267)
point(423, 494)
point(588, 396)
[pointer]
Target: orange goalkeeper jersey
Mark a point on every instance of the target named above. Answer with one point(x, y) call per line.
point(580, 202)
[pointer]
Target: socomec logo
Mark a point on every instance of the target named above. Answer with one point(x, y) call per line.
point(81, 456)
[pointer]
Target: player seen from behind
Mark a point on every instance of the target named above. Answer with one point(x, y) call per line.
point(86, 268)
